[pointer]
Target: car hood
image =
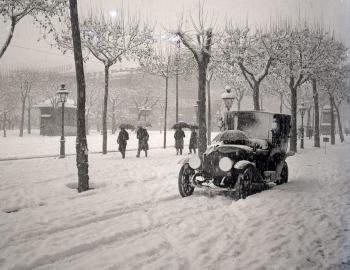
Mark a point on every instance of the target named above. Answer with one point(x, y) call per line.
point(228, 148)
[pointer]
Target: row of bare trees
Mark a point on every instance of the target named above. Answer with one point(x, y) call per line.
point(291, 54)
point(282, 58)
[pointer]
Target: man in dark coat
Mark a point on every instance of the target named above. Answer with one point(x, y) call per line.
point(179, 140)
point(142, 136)
point(193, 141)
point(123, 136)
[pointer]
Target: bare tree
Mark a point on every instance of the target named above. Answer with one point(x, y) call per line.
point(109, 41)
point(145, 101)
point(92, 97)
point(8, 101)
point(305, 52)
point(333, 84)
point(253, 53)
point(81, 142)
point(230, 76)
point(22, 81)
point(200, 44)
point(40, 10)
point(160, 62)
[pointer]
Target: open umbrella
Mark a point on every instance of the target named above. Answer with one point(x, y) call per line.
point(180, 124)
point(127, 126)
point(231, 135)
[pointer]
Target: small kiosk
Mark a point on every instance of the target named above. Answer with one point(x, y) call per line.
point(50, 118)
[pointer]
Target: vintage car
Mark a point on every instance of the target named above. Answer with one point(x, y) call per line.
point(248, 156)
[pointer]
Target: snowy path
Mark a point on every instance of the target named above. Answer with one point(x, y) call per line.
point(135, 218)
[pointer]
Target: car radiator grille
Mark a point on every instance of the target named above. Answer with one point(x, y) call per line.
point(211, 164)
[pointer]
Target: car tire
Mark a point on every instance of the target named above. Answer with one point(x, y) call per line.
point(185, 187)
point(244, 184)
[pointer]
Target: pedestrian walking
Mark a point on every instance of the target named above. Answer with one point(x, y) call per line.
point(143, 136)
point(123, 137)
point(179, 140)
point(193, 141)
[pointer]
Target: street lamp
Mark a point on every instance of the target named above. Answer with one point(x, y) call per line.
point(62, 94)
point(228, 98)
point(175, 40)
point(302, 110)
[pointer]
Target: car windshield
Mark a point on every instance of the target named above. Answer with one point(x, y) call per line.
point(253, 124)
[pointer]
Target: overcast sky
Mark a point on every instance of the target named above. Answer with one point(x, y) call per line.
point(25, 50)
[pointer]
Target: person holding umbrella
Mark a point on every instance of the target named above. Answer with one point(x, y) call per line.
point(193, 140)
point(123, 136)
point(143, 136)
point(179, 140)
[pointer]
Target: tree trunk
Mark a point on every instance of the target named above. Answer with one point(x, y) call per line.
point(293, 136)
point(239, 101)
point(331, 103)
point(29, 125)
point(340, 128)
point(165, 110)
point(22, 117)
point(104, 114)
point(209, 112)
point(281, 102)
point(9, 37)
point(261, 102)
point(87, 122)
point(202, 132)
point(256, 96)
point(317, 114)
point(81, 142)
point(308, 133)
point(177, 96)
point(4, 120)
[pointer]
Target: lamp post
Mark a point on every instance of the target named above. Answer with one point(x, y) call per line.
point(302, 110)
point(62, 94)
point(175, 40)
point(228, 98)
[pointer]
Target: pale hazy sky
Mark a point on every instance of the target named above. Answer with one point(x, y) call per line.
point(25, 50)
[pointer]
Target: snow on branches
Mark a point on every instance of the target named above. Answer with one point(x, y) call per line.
point(41, 11)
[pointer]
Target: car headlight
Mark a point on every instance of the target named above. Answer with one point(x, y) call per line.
point(225, 164)
point(194, 162)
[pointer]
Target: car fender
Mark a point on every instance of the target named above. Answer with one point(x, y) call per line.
point(184, 160)
point(242, 164)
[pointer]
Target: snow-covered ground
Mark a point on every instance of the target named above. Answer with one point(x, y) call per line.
point(134, 218)
point(35, 145)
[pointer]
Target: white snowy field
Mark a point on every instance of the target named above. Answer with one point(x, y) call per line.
point(35, 145)
point(134, 218)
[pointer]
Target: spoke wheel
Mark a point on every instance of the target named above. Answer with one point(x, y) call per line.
point(243, 187)
point(185, 187)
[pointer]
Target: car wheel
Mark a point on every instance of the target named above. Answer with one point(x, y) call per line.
point(185, 187)
point(243, 187)
point(284, 174)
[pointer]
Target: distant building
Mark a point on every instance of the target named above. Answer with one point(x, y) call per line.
point(51, 118)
